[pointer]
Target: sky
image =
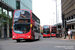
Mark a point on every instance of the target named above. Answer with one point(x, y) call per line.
point(45, 10)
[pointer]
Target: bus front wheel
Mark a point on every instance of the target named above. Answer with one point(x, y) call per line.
point(18, 40)
point(33, 38)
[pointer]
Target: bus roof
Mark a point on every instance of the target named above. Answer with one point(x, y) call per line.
point(58, 24)
point(35, 15)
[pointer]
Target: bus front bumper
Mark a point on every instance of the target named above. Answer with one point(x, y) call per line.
point(21, 37)
point(53, 34)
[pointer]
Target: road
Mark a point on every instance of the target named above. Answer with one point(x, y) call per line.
point(42, 44)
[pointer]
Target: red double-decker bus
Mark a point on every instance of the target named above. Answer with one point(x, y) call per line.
point(56, 30)
point(53, 31)
point(26, 25)
point(46, 31)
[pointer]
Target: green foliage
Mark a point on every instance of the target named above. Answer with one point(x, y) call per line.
point(6, 18)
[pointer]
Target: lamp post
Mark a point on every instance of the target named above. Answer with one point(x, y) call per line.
point(65, 28)
point(53, 19)
point(56, 11)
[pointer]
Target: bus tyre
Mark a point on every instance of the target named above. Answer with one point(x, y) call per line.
point(27, 40)
point(18, 40)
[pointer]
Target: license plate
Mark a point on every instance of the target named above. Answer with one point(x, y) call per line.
point(21, 38)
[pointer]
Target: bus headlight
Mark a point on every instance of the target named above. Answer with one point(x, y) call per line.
point(14, 36)
point(28, 36)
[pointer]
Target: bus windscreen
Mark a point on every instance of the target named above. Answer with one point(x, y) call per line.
point(46, 29)
point(21, 21)
point(20, 28)
point(53, 31)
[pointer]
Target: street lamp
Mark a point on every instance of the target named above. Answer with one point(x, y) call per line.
point(53, 18)
point(56, 11)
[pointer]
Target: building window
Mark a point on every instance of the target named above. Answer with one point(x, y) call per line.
point(17, 4)
point(71, 17)
point(69, 26)
point(67, 18)
point(72, 26)
point(74, 16)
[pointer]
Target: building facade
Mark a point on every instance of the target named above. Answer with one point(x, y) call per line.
point(68, 14)
point(24, 4)
point(8, 6)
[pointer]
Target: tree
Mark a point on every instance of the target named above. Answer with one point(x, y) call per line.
point(3, 19)
point(10, 26)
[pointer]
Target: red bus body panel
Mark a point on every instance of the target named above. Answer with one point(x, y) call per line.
point(53, 35)
point(47, 35)
point(21, 36)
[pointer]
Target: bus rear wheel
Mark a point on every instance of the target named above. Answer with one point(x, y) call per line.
point(33, 38)
point(18, 40)
point(38, 38)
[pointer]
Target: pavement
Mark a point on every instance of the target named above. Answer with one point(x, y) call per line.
point(62, 38)
point(1, 39)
